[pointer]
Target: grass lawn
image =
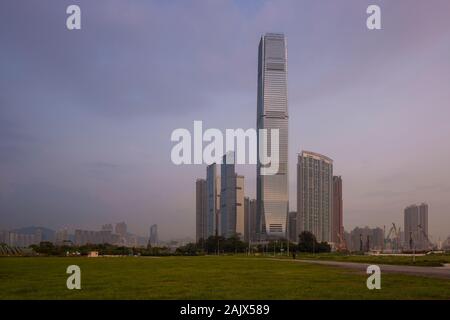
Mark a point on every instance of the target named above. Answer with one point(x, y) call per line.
point(431, 260)
point(234, 277)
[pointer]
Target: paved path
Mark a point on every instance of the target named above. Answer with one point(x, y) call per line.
point(441, 272)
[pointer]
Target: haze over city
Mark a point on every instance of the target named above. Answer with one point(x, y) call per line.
point(86, 117)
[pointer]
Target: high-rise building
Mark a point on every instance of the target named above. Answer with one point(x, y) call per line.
point(83, 237)
point(240, 214)
point(250, 219)
point(153, 239)
point(213, 200)
point(246, 219)
point(121, 229)
point(231, 199)
point(315, 195)
point(365, 239)
point(272, 113)
point(200, 210)
point(61, 236)
point(292, 226)
point(337, 228)
point(107, 227)
point(228, 196)
point(416, 226)
point(17, 239)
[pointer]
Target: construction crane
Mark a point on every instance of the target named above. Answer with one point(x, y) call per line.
point(395, 240)
point(430, 245)
point(342, 245)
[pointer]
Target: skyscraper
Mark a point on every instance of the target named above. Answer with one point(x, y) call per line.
point(121, 229)
point(365, 239)
point(240, 215)
point(228, 196)
point(272, 113)
point(213, 200)
point(250, 219)
point(200, 209)
point(337, 228)
point(315, 194)
point(232, 199)
point(416, 226)
point(292, 227)
point(153, 240)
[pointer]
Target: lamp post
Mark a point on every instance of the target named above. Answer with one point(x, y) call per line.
point(287, 249)
point(274, 243)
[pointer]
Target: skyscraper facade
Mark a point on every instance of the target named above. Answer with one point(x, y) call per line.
point(121, 229)
point(365, 239)
point(416, 226)
point(240, 214)
point(315, 194)
point(200, 210)
point(232, 215)
point(337, 228)
point(153, 239)
point(228, 196)
point(292, 227)
point(213, 200)
point(272, 113)
point(250, 219)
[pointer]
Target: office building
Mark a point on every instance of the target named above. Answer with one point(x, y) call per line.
point(250, 219)
point(365, 239)
point(337, 227)
point(153, 239)
point(231, 199)
point(292, 227)
point(315, 195)
point(240, 214)
point(213, 200)
point(121, 229)
point(272, 113)
point(61, 237)
point(416, 227)
point(200, 210)
point(83, 237)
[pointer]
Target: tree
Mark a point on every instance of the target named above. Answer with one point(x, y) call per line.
point(307, 243)
point(189, 249)
point(222, 244)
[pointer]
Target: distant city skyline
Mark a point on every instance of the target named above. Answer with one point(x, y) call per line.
point(86, 117)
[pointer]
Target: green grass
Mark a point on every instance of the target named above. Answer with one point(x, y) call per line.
point(203, 278)
point(431, 260)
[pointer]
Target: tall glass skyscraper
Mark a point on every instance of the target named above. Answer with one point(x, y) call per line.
point(231, 199)
point(213, 200)
point(272, 113)
point(153, 239)
point(200, 209)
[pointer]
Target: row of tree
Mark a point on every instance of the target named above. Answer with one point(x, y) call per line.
point(212, 245)
point(50, 249)
point(220, 245)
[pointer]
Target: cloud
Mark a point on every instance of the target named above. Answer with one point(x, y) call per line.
point(130, 58)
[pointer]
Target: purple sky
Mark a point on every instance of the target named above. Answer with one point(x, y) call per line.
point(86, 116)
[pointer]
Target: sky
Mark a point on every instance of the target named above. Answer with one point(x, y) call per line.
point(86, 116)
